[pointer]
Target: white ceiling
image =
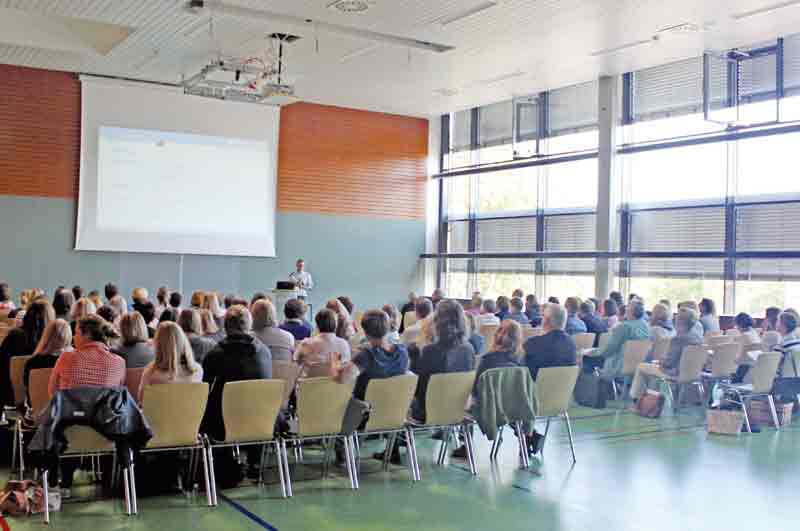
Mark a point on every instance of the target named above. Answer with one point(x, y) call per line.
point(533, 44)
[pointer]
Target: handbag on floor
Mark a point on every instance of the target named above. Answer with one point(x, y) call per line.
point(592, 390)
point(787, 388)
point(650, 404)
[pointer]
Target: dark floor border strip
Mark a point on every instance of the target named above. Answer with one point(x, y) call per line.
point(242, 509)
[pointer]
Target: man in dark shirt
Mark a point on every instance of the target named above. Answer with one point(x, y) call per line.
point(594, 324)
point(553, 349)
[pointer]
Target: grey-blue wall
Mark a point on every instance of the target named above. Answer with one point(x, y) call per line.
point(372, 260)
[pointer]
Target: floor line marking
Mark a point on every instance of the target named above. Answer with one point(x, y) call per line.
point(242, 509)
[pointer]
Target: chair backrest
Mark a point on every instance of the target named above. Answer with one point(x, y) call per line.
point(584, 340)
point(38, 389)
point(732, 332)
point(174, 412)
point(85, 440)
point(763, 372)
point(317, 370)
point(17, 370)
point(133, 377)
point(770, 338)
point(390, 399)
point(250, 408)
point(693, 359)
point(602, 341)
point(409, 318)
point(717, 340)
point(447, 397)
point(660, 348)
point(288, 371)
point(723, 361)
point(554, 387)
point(712, 333)
point(321, 405)
point(634, 353)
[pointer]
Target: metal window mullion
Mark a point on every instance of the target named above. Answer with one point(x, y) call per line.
point(543, 127)
point(627, 98)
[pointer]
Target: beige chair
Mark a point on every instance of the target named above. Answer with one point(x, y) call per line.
point(389, 399)
point(554, 388)
point(446, 401)
point(38, 383)
point(288, 371)
point(133, 377)
point(321, 405)
point(316, 370)
point(693, 359)
point(763, 375)
point(602, 341)
point(17, 373)
point(584, 340)
point(633, 353)
point(723, 361)
point(732, 332)
point(249, 411)
point(174, 412)
point(660, 348)
point(714, 340)
point(713, 333)
point(409, 318)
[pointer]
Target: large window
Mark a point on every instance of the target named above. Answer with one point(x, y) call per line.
point(677, 279)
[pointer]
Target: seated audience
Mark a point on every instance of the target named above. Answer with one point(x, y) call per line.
point(450, 353)
point(437, 296)
point(239, 356)
point(265, 328)
point(210, 329)
point(503, 308)
point(473, 335)
point(708, 316)
point(134, 347)
point(393, 336)
point(517, 314)
point(692, 305)
point(660, 323)
point(118, 303)
point(319, 349)
point(198, 297)
point(211, 303)
point(610, 317)
point(170, 315)
point(476, 304)
point(555, 348)
point(518, 293)
point(77, 292)
point(162, 300)
point(57, 338)
point(574, 324)
point(345, 328)
point(228, 301)
point(533, 310)
point(378, 358)
point(94, 296)
point(110, 291)
point(789, 346)
point(594, 324)
point(633, 328)
point(82, 308)
point(553, 300)
point(22, 341)
point(108, 313)
point(407, 307)
point(174, 361)
point(770, 323)
point(347, 303)
point(191, 323)
point(6, 302)
point(257, 296)
point(424, 311)
point(502, 351)
point(686, 335)
point(139, 296)
point(175, 300)
point(294, 309)
point(62, 304)
point(489, 315)
point(148, 311)
point(744, 324)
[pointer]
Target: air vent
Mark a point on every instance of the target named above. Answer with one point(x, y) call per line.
point(350, 6)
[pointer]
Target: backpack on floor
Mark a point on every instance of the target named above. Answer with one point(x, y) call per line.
point(592, 390)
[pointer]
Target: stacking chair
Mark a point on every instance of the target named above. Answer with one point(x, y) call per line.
point(249, 410)
point(174, 412)
point(321, 405)
point(554, 387)
point(660, 348)
point(584, 340)
point(693, 359)
point(288, 371)
point(316, 370)
point(732, 332)
point(40, 397)
point(389, 399)
point(723, 364)
point(633, 353)
point(446, 401)
point(17, 372)
point(763, 375)
point(504, 376)
point(714, 340)
point(488, 331)
point(133, 377)
point(409, 318)
point(602, 341)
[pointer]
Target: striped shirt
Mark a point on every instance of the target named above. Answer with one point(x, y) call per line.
point(790, 353)
point(93, 366)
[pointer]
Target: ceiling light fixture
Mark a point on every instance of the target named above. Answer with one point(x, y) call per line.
point(350, 6)
point(765, 9)
point(358, 53)
point(480, 8)
point(623, 47)
point(221, 8)
point(504, 77)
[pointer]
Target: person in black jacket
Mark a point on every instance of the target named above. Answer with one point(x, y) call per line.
point(594, 324)
point(553, 349)
point(22, 341)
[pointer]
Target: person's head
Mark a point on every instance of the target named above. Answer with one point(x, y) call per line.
point(394, 316)
point(197, 298)
point(507, 338)
point(294, 309)
point(635, 310)
point(517, 305)
point(412, 297)
point(146, 309)
point(531, 302)
point(264, 315)
point(190, 322)
point(93, 296)
point(209, 325)
point(787, 323)
point(587, 308)
point(326, 321)
point(793, 312)
point(595, 302)
point(449, 322)
point(257, 296)
point(172, 350)
point(659, 314)
point(667, 303)
point(743, 321)
point(609, 307)
point(423, 307)
point(93, 329)
point(56, 337)
point(554, 317)
point(238, 320)
point(118, 303)
point(685, 320)
point(503, 304)
point(139, 295)
point(175, 299)
point(347, 302)
point(622, 311)
point(111, 290)
point(107, 312)
point(5, 292)
point(211, 302)
point(228, 300)
point(616, 296)
point(38, 315)
point(477, 301)
point(691, 305)
point(62, 302)
point(518, 293)
point(489, 306)
point(375, 324)
point(77, 292)
point(83, 308)
point(707, 307)
point(300, 265)
point(133, 328)
point(169, 315)
point(437, 295)
point(632, 296)
point(553, 300)
point(772, 314)
point(571, 305)
point(162, 295)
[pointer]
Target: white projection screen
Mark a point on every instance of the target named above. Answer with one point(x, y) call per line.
point(163, 172)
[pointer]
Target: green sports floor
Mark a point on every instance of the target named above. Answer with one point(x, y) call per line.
point(632, 474)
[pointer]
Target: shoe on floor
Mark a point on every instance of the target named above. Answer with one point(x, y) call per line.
point(535, 443)
point(460, 452)
point(394, 459)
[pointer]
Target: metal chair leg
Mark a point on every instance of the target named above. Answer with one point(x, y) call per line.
point(127, 491)
point(21, 452)
point(387, 453)
point(285, 459)
point(774, 412)
point(469, 443)
point(349, 462)
point(443, 448)
point(523, 446)
point(744, 410)
point(207, 478)
point(46, 495)
point(212, 474)
point(496, 444)
point(279, 461)
point(411, 446)
point(569, 432)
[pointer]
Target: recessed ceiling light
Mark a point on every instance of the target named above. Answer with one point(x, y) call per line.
point(504, 77)
point(446, 92)
point(351, 6)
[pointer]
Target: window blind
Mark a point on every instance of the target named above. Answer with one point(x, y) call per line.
point(506, 236)
point(570, 232)
point(461, 138)
point(495, 124)
point(684, 229)
point(791, 64)
point(768, 227)
point(573, 109)
point(757, 78)
point(527, 118)
point(768, 269)
point(677, 267)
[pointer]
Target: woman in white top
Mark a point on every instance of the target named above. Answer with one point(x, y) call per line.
point(174, 361)
point(320, 348)
point(660, 323)
point(265, 328)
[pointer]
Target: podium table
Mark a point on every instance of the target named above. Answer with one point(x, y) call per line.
point(279, 299)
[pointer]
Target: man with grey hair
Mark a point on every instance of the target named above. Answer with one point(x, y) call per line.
point(634, 327)
point(553, 349)
point(686, 336)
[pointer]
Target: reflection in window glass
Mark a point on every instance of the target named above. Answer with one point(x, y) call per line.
point(563, 286)
point(754, 296)
point(493, 284)
point(458, 193)
point(507, 191)
point(674, 127)
point(456, 279)
point(459, 159)
point(501, 153)
point(677, 289)
point(766, 166)
point(677, 174)
point(570, 184)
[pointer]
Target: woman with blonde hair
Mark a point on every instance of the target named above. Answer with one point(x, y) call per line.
point(174, 360)
point(134, 348)
point(94, 296)
point(210, 329)
point(192, 325)
point(660, 323)
point(139, 295)
point(265, 327)
point(344, 322)
point(57, 338)
point(211, 303)
point(198, 297)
